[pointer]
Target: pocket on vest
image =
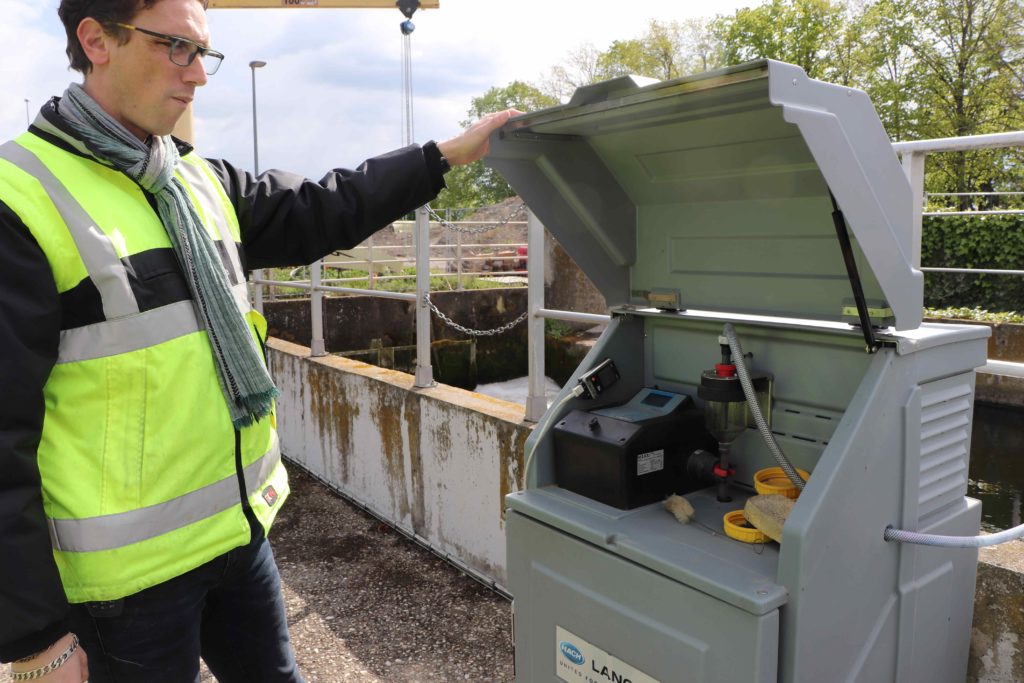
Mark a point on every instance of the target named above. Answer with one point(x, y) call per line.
point(124, 432)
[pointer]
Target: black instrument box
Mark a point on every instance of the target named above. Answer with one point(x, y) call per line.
point(627, 463)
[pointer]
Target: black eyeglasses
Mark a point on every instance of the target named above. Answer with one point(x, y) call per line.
point(182, 51)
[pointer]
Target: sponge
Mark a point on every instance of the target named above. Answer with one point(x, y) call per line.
point(768, 513)
point(680, 507)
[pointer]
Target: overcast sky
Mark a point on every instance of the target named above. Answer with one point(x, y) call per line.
point(331, 92)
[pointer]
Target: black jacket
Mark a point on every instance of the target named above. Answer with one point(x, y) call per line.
point(285, 220)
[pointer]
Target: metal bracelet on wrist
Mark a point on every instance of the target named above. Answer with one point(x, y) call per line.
point(31, 656)
point(52, 666)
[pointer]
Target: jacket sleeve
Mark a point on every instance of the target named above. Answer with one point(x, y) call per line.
point(32, 601)
point(287, 220)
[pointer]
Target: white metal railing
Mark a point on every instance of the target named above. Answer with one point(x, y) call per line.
point(501, 263)
point(913, 155)
point(536, 401)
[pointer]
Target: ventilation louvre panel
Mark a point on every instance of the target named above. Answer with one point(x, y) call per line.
point(945, 437)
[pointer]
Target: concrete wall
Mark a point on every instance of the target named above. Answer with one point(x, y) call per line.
point(997, 635)
point(1006, 344)
point(354, 323)
point(437, 462)
point(566, 286)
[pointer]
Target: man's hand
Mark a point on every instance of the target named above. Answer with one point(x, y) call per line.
point(474, 142)
point(74, 670)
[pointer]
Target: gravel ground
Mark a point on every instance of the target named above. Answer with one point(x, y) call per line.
point(366, 604)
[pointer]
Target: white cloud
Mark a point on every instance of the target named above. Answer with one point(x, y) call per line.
point(35, 67)
point(331, 92)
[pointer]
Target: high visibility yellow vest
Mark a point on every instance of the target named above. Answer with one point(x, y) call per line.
point(139, 462)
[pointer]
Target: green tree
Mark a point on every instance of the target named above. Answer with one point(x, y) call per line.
point(969, 57)
point(699, 46)
point(625, 57)
point(885, 65)
point(475, 185)
point(800, 32)
point(579, 68)
point(665, 50)
point(933, 68)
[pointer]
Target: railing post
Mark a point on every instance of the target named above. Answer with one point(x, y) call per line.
point(257, 290)
point(536, 399)
point(913, 167)
point(371, 273)
point(458, 256)
point(424, 371)
point(316, 313)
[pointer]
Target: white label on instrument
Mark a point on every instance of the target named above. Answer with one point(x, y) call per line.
point(650, 462)
point(577, 660)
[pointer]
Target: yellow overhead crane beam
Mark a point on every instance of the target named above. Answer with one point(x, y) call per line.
point(276, 4)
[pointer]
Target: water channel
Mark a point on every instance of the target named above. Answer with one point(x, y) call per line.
point(997, 455)
point(997, 468)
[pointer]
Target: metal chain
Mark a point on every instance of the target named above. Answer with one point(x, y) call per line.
point(465, 330)
point(447, 225)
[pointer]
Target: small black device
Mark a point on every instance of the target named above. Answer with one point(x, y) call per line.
point(599, 378)
point(631, 454)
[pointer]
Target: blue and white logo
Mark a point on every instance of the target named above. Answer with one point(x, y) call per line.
point(571, 652)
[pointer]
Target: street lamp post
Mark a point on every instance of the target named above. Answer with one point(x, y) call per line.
point(253, 65)
point(258, 275)
point(28, 118)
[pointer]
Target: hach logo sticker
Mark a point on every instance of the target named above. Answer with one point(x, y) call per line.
point(270, 495)
point(571, 652)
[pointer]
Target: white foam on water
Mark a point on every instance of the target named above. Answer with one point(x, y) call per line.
point(515, 390)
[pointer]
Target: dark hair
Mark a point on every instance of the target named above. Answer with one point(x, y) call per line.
point(107, 12)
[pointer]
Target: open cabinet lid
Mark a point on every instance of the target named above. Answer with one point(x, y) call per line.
point(714, 191)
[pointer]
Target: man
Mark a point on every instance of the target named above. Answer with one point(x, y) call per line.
point(141, 469)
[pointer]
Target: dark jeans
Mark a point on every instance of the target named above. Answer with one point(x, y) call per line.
point(229, 611)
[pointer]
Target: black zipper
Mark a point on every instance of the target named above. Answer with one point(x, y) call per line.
point(256, 529)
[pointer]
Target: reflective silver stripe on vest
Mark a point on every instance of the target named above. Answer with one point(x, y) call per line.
point(209, 198)
point(136, 332)
point(124, 335)
point(201, 184)
point(42, 124)
point(115, 531)
point(97, 252)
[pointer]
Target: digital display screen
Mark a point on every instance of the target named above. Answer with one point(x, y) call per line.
point(656, 400)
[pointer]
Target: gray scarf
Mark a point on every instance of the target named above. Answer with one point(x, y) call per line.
point(244, 380)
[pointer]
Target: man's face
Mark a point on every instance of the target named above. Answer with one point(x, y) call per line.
point(145, 91)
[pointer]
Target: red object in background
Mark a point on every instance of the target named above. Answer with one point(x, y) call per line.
point(521, 252)
point(723, 473)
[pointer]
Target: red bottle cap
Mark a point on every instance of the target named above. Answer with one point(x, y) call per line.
point(725, 369)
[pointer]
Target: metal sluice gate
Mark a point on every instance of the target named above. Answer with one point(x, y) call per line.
point(757, 206)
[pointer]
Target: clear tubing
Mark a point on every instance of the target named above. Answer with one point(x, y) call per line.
point(542, 426)
point(891, 534)
point(755, 408)
point(901, 536)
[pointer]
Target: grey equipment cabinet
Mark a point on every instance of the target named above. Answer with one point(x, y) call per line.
point(705, 200)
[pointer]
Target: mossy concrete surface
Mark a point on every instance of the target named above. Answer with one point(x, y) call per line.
point(437, 462)
point(997, 635)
